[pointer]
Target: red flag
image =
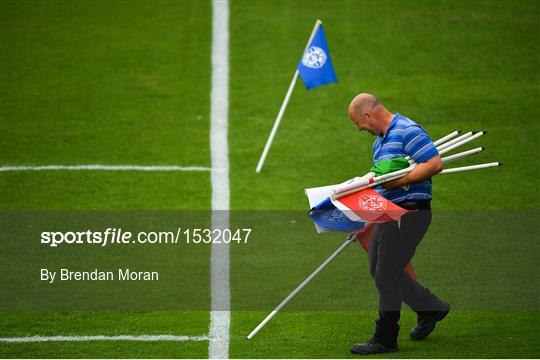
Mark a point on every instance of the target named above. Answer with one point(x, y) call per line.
point(369, 206)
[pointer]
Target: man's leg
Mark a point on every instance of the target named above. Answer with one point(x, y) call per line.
point(392, 247)
point(372, 346)
point(416, 296)
point(387, 326)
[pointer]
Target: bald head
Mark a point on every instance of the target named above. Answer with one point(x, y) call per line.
point(363, 102)
point(367, 113)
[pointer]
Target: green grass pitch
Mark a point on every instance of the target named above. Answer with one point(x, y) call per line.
point(129, 83)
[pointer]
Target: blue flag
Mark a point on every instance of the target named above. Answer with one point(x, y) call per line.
point(316, 67)
point(328, 217)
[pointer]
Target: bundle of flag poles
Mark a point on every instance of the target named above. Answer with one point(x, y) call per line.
point(353, 206)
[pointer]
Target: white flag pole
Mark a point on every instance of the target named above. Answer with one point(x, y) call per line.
point(471, 167)
point(284, 105)
point(276, 123)
point(321, 267)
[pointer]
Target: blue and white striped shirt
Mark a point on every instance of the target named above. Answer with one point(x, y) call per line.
point(404, 137)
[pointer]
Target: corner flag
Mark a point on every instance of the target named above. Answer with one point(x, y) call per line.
point(316, 67)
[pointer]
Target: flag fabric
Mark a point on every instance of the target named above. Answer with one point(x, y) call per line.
point(358, 212)
point(327, 217)
point(389, 165)
point(368, 206)
point(316, 67)
point(352, 212)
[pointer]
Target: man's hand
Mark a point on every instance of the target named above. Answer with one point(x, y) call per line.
point(421, 172)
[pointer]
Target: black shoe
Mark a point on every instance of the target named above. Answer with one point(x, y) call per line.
point(371, 347)
point(426, 322)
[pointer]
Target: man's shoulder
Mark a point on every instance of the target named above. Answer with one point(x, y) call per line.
point(404, 122)
point(407, 127)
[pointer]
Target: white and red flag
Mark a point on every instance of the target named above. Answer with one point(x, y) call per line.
point(368, 206)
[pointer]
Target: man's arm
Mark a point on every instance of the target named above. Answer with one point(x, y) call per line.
point(421, 172)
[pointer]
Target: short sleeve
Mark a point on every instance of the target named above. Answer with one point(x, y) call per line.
point(418, 145)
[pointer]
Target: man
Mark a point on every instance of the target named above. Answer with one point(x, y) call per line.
point(394, 243)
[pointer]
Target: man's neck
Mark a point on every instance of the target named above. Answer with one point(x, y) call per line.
point(386, 120)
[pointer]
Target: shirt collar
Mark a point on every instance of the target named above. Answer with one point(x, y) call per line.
point(392, 124)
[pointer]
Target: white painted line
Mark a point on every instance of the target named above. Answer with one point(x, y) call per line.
point(105, 338)
point(220, 318)
point(105, 168)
